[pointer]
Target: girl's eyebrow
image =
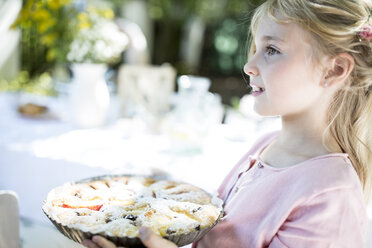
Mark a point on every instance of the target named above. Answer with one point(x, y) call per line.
point(275, 38)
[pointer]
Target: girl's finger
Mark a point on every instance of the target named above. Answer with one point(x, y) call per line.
point(151, 240)
point(102, 242)
point(90, 244)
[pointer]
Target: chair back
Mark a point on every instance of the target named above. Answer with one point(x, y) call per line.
point(9, 220)
point(146, 88)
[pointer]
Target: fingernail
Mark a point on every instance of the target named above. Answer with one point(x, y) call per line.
point(144, 233)
point(85, 243)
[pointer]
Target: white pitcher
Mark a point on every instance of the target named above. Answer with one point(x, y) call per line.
point(89, 95)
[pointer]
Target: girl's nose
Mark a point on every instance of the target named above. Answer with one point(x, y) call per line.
point(250, 70)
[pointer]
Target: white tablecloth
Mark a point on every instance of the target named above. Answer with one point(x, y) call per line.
point(37, 154)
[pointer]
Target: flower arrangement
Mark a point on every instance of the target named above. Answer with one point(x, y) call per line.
point(58, 32)
point(46, 25)
point(70, 31)
point(98, 40)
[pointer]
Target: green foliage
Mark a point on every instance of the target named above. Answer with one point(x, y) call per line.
point(208, 10)
point(39, 85)
point(46, 33)
point(48, 27)
point(226, 35)
point(235, 102)
point(225, 50)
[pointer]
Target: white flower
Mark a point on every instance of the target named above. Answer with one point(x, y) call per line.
point(103, 43)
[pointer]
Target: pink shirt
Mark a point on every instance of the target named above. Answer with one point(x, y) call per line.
point(316, 203)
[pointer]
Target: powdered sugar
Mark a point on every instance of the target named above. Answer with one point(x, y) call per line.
point(119, 206)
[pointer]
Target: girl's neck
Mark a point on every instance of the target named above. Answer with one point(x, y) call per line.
point(300, 139)
point(297, 138)
point(303, 133)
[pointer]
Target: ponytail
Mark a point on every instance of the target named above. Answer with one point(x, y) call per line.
point(350, 125)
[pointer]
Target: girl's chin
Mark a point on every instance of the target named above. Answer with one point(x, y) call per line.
point(264, 112)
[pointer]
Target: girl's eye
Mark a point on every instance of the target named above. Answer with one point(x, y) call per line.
point(271, 51)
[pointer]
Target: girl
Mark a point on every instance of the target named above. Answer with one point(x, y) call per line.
point(310, 62)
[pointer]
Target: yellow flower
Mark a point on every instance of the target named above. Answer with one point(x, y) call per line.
point(84, 21)
point(29, 4)
point(105, 13)
point(45, 25)
point(41, 14)
point(51, 54)
point(49, 39)
point(82, 16)
point(25, 14)
point(42, 27)
point(54, 4)
point(84, 25)
point(57, 4)
point(108, 13)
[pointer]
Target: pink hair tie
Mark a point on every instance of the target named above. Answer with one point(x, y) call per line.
point(366, 33)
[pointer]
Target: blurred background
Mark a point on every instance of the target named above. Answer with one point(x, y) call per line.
point(93, 87)
point(205, 37)
point(97, 87)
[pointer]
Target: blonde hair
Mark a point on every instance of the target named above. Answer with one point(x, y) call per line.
point(334, 25)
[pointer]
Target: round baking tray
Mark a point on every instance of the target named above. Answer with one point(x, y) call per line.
point(179, 239)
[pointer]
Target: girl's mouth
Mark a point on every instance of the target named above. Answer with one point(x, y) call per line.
point(257, 90)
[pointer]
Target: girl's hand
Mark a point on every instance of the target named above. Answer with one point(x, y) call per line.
point(147, 236)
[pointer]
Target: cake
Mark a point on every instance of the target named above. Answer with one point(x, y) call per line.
point(32, 110)
point(117, 206)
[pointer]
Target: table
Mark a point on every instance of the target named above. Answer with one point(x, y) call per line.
point(37, 155)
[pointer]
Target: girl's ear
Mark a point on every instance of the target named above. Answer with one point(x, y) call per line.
point(341, 66)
